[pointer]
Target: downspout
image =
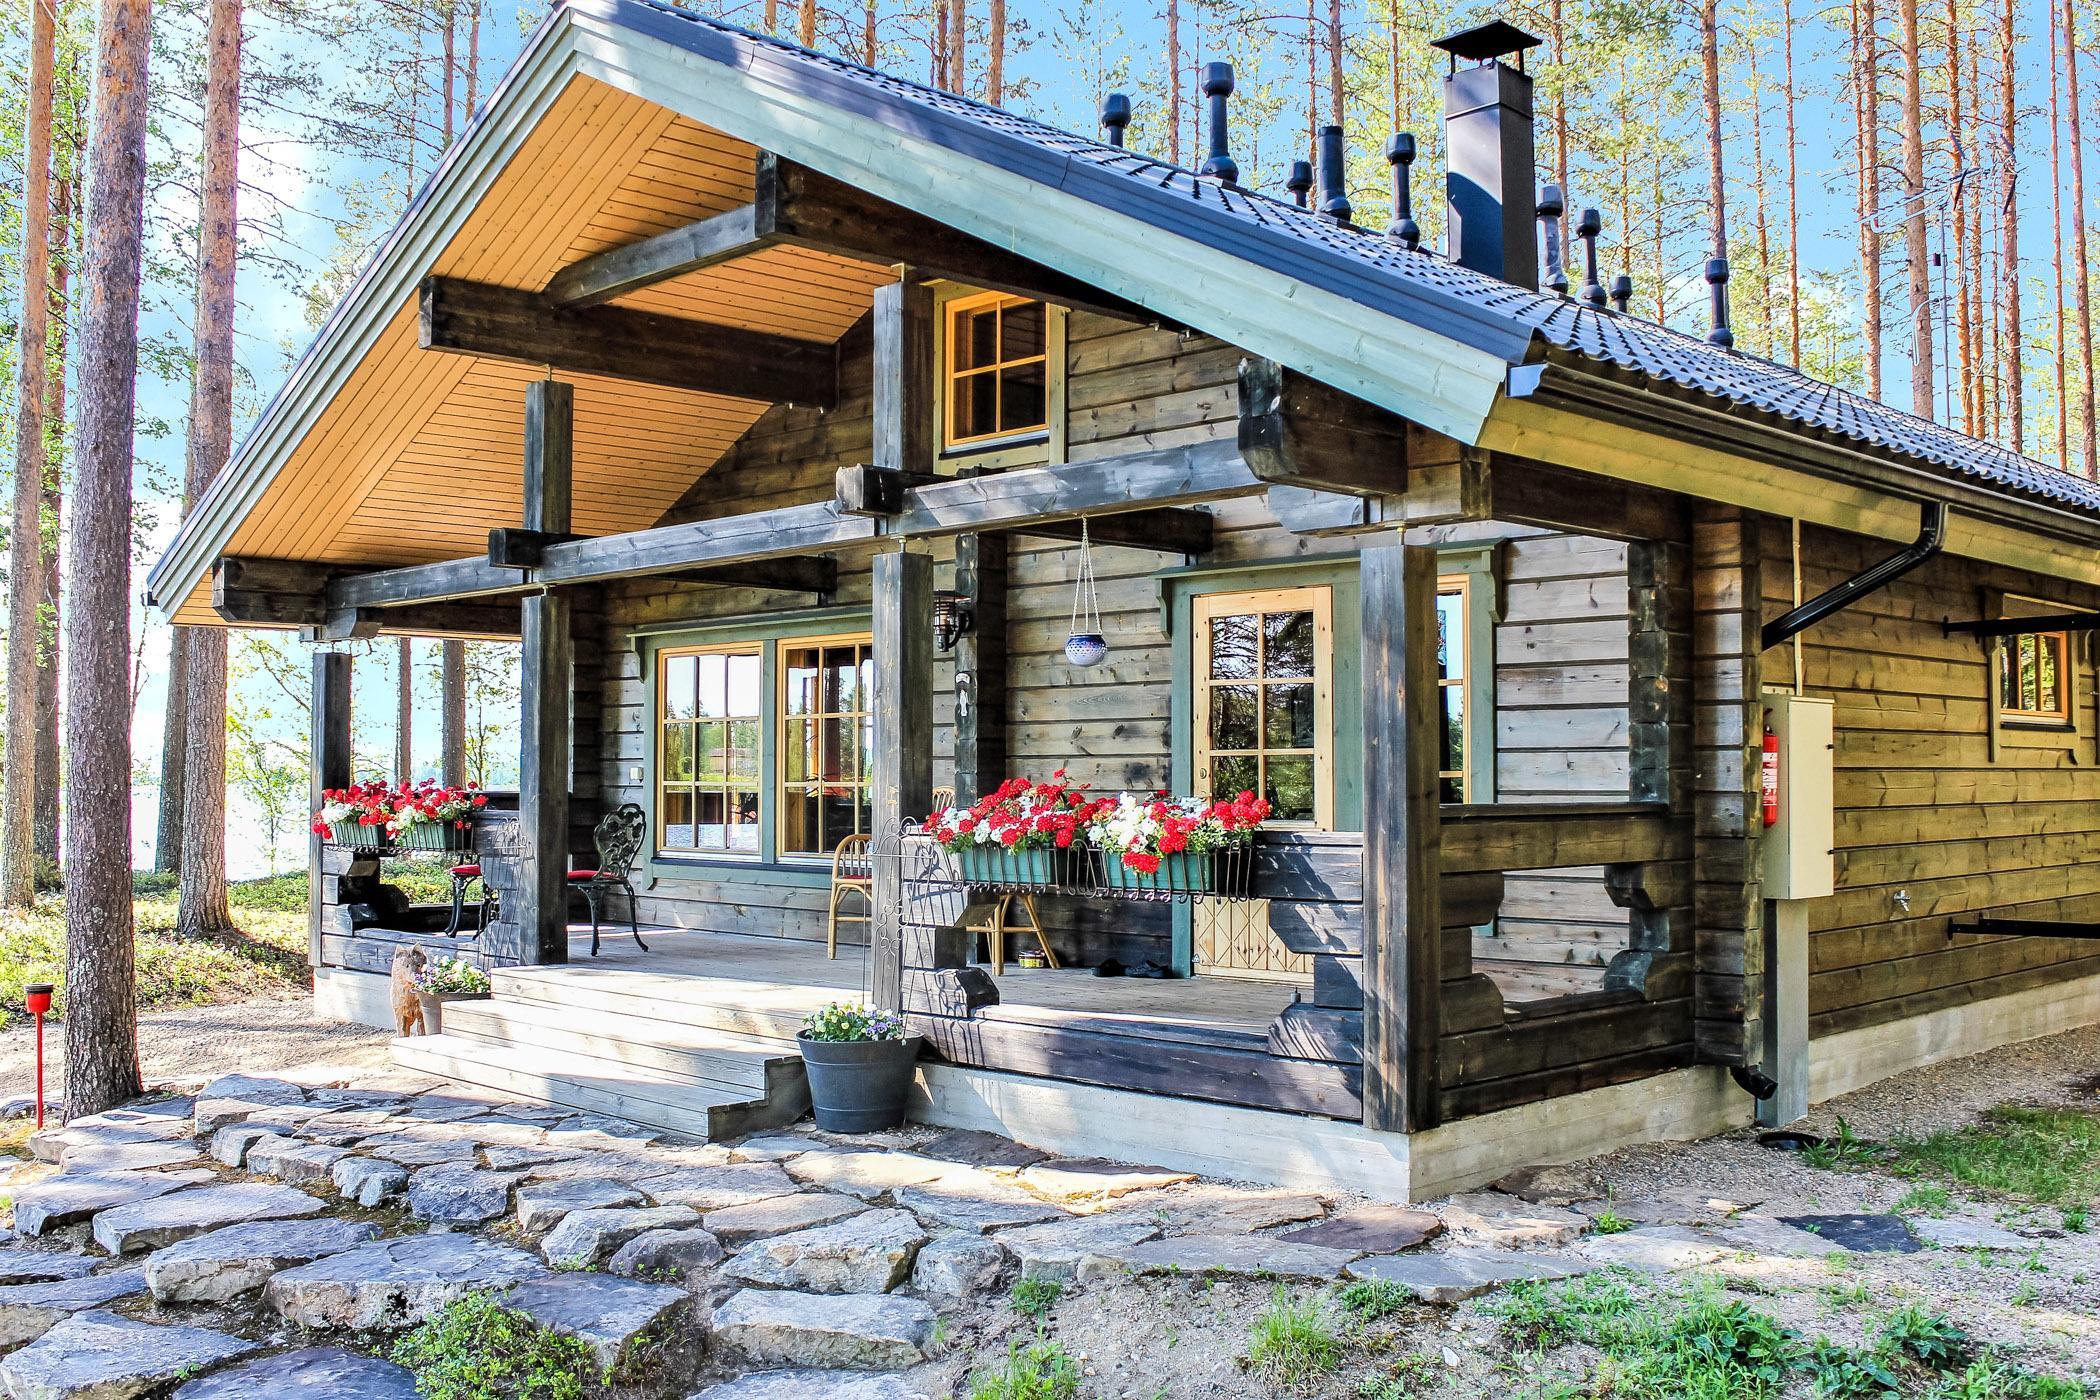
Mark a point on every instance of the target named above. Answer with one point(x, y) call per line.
point(1932, 536)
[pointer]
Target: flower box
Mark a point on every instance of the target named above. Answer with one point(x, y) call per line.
point(997, 865)
point(357, 836)
point(1177, 874)
point(434, 836)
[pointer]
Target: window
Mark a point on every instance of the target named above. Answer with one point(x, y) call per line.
point(1452, 677)
point(2034, 678)
point(1264, 709)
point(998, 370)
point(707, 765)
point(827, 741)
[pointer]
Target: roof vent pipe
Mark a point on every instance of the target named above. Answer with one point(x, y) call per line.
point(1550, 208)
point(1300, 181)
point(1217, 86)
point(1115, 115)
point(1588, 225)
point(1334, 199)
point(1400, 154)
point(1717, 279)
point(1491, 171)
point(1621, 293)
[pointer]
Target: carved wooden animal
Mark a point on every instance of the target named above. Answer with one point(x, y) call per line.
point(408, 1010)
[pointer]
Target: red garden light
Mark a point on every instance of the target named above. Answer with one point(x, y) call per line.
point(36, 1000)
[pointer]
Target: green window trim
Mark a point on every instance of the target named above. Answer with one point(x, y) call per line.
point(769, 865)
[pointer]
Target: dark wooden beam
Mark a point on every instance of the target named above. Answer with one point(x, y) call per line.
point(1168, 529)
point(597, 279)
point(1296, 431)
point(1402, 909)
point(905, 405)
point(547, 655)
point(980, 666)
point(511, 547)
point(2015, 626)
point(446, 581)
point(903, 765)
point(866, 489)
point(471, 621)
point(815, 573)
point(1524, 492)
point(331, 758)
point(508, 323)
point(1031, 497)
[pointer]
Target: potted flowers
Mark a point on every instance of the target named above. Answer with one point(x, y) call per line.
point(356, 815)
point(430, 816)
point(1168, 845)
point(445, 980)
point(860, 1066)
point(1009, 837)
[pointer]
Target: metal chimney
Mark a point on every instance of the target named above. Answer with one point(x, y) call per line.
point(1490, 170)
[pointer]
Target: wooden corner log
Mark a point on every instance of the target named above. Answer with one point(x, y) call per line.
point(1296, 431)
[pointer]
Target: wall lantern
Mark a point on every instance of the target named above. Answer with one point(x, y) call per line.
point(952, 618)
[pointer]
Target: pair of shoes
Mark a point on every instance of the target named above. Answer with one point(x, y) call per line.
point(1149, 968)
point(1109, 968)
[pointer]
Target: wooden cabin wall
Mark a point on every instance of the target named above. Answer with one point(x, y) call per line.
point(1925, 805)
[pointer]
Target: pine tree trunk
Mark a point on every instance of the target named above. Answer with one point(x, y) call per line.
point(167, 835)
point(49, 778)
point(868, 52)
point(25, 565)
point(995, 55)
point(958, 45)
point(806, 25)
point(473, 74)
point(1710, 97)
point(1174, 81)
point(1916, 255)
point(1793, 194)
point(451, 66)
point(1759, 201)
point(404, 711)
point(1964, 327)
point(1337, 80)
point(203, 907)
point(102, 1062)
point(453, 740)
point(2081, 279)
point(2056, 240)
point(1868, 87)
point(2014, 411)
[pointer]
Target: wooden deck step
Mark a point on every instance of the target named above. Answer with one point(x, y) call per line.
point(760, 1066)
point(638, 1093)
point(768, 1010)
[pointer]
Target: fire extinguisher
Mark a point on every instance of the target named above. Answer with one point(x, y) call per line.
point(1768, 773)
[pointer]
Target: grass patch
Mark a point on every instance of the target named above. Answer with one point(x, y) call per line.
point(1034, 1297)
point(1293, 1342)
point(476, 1349)
point(1925, 1200)
point(1606, 1223)
point(1041, 1370)
point(2047, 1155)
point(1368, 1299)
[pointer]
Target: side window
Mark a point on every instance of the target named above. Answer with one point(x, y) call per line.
point(2034, 679)
point(1264, 705)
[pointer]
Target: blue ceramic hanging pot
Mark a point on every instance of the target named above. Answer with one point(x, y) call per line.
point(1086, 648)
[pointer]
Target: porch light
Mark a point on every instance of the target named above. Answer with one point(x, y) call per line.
point(952, 618)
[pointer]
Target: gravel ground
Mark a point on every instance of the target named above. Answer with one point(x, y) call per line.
point(179, 1048)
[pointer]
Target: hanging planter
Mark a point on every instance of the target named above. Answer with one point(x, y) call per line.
point(1086, 646)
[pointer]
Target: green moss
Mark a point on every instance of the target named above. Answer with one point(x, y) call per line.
point(476, 1349)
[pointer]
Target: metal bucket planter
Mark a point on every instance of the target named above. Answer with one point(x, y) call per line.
point(434, 1007)
point(858, 1086)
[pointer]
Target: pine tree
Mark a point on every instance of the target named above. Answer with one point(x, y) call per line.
point(2056, 238)
point(2014, 419)
point(1867, 104)
point(2081, 284)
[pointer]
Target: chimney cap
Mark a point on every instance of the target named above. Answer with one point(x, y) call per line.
point(1217, 80)
point(1487, 41)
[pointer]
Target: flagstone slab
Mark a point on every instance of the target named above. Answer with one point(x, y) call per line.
point(459, 1194)
point(395, 1283)
point(52, 1144)
point(736, 1226)
point(1551, 1184)
point(666, 1256)
point(1762, 1234)
point(412, 1152)
point(1862, 1234)
point(29, 1310)
point(587, 1238)
point(959, 1265)
point(1370, 1230)
point(291, 1160)
point(127, 1156)
point(972, 1147)
point(230, 1144)
point(241, 1258)
point(67, 1200)
point(1236, 1256)
point(1454, 1275)
point(867, 1253)
point(322, 1373)
point(164, 1220)
point(102, 1356)
point(1078, 1179)
point(614, 1317)
point(1967, 1232)
point(367, 1180)
point(1664, 1208)
point(541, 1205)
point(1507, 1222)
point(716, 1188)
point(259, 1089)
point(578, 1164)
point(1058, 1250)
point(774, 1147)
point(869, 1175)
point(42, 1265)
point(1656, 1248)
point(866, 1330)
point(980, 1210)
point(1213, 1208)
point(505, 1159)
point(813, 1385)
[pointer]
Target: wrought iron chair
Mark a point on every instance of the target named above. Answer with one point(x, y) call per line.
point(943, 798)
point(618, 837)
point(463, 875)
point(852, 872)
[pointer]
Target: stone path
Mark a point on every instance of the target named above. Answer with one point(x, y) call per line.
point(339, 1209)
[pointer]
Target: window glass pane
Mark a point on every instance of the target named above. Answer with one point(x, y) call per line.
point(2046, 673)
point(1289, 643)
point(2029, 690)
point(709, 740)
point(1024, 398)
point(1287, 716)
point(798, 680)
point(1454, 723)
point(710, 826)
point(1229, 777)
point(713, 681)
point(798, 820)
point(743, 816)
point(1232, 649)
point(1451, 635)
point(743, 751)
point(841, 679)
point(1290, 789)
point(744, 680)
point(678, 753)
point(1232, 717)
point(678, 819)
point(976, 337)
point(1022, 330)
point(678, 686)
point(1451, 790)
point(798, 755)
point(973, 410)
point(2008, 668)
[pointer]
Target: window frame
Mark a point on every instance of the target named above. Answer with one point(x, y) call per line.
point(863, 781)
point(2015, 716)
point(1318, 598)
point(1034, 447)
point(660, 724)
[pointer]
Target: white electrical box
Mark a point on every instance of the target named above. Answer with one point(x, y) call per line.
point(1799, 849)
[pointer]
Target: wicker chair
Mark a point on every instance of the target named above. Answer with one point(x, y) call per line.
point(618, 836)
point(852, 872)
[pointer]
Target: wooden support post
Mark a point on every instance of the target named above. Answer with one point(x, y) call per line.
point(980, 667)
point(1403, 906)
point(904, 389)
point(545, 686)
point(903, 776)
point(1659, 651)
point(331, 769)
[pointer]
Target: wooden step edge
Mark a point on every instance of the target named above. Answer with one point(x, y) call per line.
point(752, 1073)
point(631, 1026)
point(642, 1081)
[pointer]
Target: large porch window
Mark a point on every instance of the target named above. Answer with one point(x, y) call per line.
point(827, 742)
point(708, 751)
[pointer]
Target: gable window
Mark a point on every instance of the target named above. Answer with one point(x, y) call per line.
point(2034, 678)
point(1264, 706)
point(707, 768)
point(827, 742)
point(1000, 362)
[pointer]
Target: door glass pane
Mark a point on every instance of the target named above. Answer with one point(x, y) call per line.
point(1232, 718)
point(678, 818)
point(798, 820)
point(798, 758)
point(1233, 654)
point(1290, 788)
point(1450, 635)
point(1229, 777)
point(678, 753)
point(1454, 724)
point(1289, 637)
point(678, 686)
point(798, 685)
point(1287, 716)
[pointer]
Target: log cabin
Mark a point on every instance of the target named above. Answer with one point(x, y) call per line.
point(789, 416)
